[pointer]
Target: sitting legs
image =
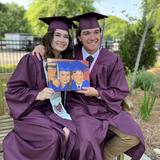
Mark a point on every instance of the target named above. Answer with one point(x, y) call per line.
point(118, 144)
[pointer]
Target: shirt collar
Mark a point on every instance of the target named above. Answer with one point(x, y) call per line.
point(85, 53)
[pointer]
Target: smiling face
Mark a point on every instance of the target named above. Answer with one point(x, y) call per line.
point(60, 41)
point(90, 39)
point(64, 77)
point(78, 77)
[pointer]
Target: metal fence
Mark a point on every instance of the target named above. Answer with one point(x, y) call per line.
point(10, 54)
point(12, 51)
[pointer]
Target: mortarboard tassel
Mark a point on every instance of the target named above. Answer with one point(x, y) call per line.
point(102, 36)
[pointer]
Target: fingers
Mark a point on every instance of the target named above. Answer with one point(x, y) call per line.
point(38, 56)
point(66, 133)
point(39, 51)
point(85, 92)
point(86, 88)
point(46, 93)
point(89, 91)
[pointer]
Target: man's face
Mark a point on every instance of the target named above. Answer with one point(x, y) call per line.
point(64, 77)
point(90, 39)
point(78, 77)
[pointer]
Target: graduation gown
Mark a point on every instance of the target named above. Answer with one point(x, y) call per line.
point(94, 115)
point(38, 132)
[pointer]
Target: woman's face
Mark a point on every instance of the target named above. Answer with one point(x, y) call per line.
point(60, 40)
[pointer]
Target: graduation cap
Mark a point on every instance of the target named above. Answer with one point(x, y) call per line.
point(88, 20)
point(78, 66)
point(59, 22)
point(64, 66)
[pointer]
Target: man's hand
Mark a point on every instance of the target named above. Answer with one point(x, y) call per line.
point(39, 51)
point(89, 91)
point(66, 133)
point(46, 93)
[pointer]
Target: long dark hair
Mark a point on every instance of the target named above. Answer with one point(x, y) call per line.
point(47, 41)
point(78, 33)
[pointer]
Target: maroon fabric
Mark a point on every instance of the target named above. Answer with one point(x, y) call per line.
point(88, 20)
point(59, 22)
point(93, 116)
point(38, 132)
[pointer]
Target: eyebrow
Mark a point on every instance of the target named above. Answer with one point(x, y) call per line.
point(87, 31)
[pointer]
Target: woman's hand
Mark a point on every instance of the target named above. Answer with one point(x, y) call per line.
point(66, 133)
point(46, 93)
point(39, 51)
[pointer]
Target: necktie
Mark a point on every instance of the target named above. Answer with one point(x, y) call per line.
point(90, 60)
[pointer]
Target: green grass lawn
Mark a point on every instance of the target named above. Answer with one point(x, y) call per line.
point(7, 68)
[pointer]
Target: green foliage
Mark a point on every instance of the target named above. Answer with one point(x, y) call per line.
point(55, 7)
point(145, 80)
point(156, 88)
point(149, 6)
point(115, 28)
point(12, 19)
point(157, 64)
point(147, 104)
point(129, 76)
point(129, 47)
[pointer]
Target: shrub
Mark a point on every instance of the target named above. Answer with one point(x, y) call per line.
point(145, 80)
point(129, 47)
point(147, 104)
point(129, 76)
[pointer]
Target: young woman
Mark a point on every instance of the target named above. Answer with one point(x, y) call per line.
point(39, 131)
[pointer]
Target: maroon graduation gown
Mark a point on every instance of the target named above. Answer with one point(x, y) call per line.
point(93, 116)
point(37, 133)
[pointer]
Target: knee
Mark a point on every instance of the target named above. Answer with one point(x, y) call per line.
point(131, 140)
point(49, 138)
point(54, 137)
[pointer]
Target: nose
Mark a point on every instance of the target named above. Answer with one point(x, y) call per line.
point(92, 36)
point(61, 38)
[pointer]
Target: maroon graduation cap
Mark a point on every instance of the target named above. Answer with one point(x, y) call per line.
point(88, 20)
point(58, 22)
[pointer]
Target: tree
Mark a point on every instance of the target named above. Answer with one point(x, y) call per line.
point(55, 7)
point(12, 18)
point(149, 5)
point(115, 28)
point(129, 47)
point(148, 21)
point(137, 48)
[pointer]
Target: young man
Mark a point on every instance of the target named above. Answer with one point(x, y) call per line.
point(78, 80)
point(108, 90)
point(97, 110)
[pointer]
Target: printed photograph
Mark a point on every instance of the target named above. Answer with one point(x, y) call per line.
point(67, 75)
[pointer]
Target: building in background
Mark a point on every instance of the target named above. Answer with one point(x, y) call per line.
point(18, 41)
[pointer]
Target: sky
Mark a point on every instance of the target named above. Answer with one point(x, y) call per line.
point(108, 7)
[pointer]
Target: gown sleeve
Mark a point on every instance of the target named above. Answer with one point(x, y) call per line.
point(117, 87)
point(21, 88)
